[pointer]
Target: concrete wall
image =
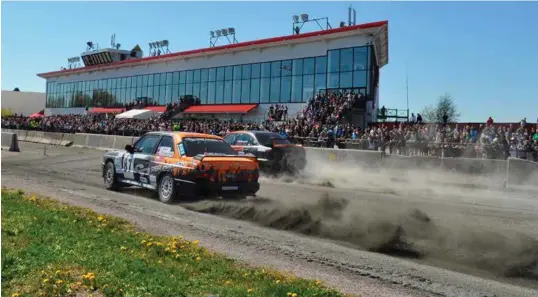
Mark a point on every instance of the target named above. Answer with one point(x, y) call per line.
point(25, 103)
point(515, 172)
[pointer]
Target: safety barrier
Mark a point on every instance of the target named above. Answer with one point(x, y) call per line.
point(10, 141)
point(510, 172)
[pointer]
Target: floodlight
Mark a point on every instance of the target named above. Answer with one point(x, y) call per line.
point(224, 31)
point(304, 17)
point(212, 34)
point(218, 32)
point(231, 30)
point(295, 18)
point(151, 45)
point(118, 46)
point(89, 43)
point(165, 42)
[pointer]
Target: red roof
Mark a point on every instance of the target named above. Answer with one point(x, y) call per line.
point(106, 110)
point(224, 47)
point(221, 108)
point(156, 108)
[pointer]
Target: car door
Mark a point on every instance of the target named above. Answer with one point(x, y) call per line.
point(245, 143)
point(165, 154)
point(144, 149)
point(231, 139)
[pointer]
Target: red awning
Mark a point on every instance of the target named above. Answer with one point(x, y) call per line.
point(156, 108)
point(106, 110)
point(221, 108)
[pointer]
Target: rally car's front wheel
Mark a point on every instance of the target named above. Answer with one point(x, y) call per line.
point(109, 176)
point(167, 189)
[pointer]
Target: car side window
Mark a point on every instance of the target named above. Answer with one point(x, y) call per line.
point(147, 144)
point(231, 138)
point(245, 140)
point(166, 147)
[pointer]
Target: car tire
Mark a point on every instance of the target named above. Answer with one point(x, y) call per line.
point(109, 178)
point(167, 189)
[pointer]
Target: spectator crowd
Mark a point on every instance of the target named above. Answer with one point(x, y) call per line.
point(323, 122)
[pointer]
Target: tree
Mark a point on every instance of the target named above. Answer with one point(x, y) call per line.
point(444, 110)
point(16, 90)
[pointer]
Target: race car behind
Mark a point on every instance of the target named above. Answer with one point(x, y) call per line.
point(275, 153)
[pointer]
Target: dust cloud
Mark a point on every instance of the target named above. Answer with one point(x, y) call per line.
point(409, 233)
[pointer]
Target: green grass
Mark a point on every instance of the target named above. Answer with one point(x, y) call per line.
point(52, 249)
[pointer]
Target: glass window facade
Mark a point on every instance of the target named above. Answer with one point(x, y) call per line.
point(282, 81)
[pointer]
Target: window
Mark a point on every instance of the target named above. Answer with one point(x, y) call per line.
point(285, 89)
point(146, 144)
point(334, 60)
point(264, 90)
point(196, 90)
point(246, 71)
point(333, 80)
point(166, 147)
point(188, 89)
point(265, 70)
point(219, 92)
point(228, 86)
point(276, 69)
point(203, 92)
point(182, 77)
point(359, 79)
point(245, 91)
point(320, 83)
point(346, 80)
point(236, 96)
point(189, 77)
point(196, 146)
point(308, 87)
point(346, 59)
point(245, 140)
point(211, 95)
point(181, 90)
point(145, 79)
point(196, 76)
point(220, 74)
point(212, 74)
point(297, 88)
point(275, 90)
point(297, 67)
point(267, 139)
point(360, 58)
point(204, 75)
point(255, 71)
point(228, 73)
point(255, 90)
point(237, 72)
point(286, 68)
point(308, 66)
point(175, 78)
point(230, 139)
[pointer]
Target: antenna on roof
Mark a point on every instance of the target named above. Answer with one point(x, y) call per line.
point(299, 22)
point(157, 48)
point(351, 16)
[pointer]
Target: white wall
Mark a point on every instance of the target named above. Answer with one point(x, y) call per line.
point(25, 103)
point(302, 50)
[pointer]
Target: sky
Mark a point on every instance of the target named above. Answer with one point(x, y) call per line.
point(484, 54)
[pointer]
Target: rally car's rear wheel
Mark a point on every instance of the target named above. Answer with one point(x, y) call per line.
point(167, 189)
point(109, 176)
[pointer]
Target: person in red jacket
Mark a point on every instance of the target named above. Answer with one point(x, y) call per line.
point(490, 121)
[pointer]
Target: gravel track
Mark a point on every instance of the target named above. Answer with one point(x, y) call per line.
point(73, 175)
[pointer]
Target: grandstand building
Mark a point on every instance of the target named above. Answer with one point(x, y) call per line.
point(240, 78)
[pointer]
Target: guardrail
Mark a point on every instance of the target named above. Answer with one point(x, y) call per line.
point(513, 171)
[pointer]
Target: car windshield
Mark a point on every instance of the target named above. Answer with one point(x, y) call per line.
point(208, 146)
point(266, 139)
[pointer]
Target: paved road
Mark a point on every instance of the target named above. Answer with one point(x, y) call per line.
point(470, 236)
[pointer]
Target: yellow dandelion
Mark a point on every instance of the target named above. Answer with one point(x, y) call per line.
point(289, 294)
point(167, 249)
point(277, 281)
point(15, 294)
point(294, 295)
point(249, 290)
point(318, 282)
point(149, 244)
point(198, 258)
point(59, 282)
point(177, 256)
point(246, 274)
point(46, 280)
point(143, 241)
point(58, 272)
point(172, 276)
point(228, 282)
point(160, 261)
point(100, 218)
point(123, 248)
point(92, 277)
point(196, 241)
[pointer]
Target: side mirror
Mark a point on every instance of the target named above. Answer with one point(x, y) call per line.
point(129, 148)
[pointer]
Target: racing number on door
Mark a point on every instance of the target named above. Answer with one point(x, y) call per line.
point(128, 162)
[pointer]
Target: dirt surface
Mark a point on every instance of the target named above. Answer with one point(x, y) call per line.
point(462, 243)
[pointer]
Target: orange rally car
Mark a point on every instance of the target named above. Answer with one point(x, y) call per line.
point(182, 164)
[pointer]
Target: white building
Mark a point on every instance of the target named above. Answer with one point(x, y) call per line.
point(243, 78)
